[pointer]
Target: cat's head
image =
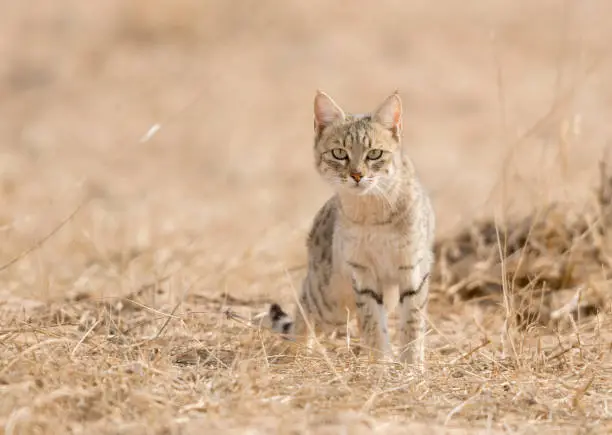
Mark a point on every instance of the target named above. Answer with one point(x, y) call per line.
point(358, 153)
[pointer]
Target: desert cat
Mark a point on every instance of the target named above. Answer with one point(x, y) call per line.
point(372, 237)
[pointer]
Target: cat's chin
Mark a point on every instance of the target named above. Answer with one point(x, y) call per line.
point(361, 189)
point(354, 189)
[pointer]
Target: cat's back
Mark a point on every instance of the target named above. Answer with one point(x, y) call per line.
point(320, 237)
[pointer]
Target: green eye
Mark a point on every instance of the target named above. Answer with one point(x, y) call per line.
point(339, 154)
point(374, 154)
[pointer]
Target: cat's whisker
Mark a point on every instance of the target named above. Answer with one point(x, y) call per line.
point(383, 194)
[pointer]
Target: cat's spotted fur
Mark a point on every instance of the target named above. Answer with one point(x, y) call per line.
point(372, 237)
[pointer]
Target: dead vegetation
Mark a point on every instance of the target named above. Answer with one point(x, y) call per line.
point(145, 363)
point(548, 267)
point(138, 314)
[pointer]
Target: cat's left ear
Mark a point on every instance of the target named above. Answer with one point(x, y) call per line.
point(389, 114)
point(326, 111)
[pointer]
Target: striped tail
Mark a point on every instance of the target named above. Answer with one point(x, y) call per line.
point(281, 321)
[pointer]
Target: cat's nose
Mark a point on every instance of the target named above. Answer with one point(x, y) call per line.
point(356, 175)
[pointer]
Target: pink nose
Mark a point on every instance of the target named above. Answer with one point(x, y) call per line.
point(356, 176)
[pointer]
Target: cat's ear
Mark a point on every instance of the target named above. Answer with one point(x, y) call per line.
point(389, 114)
point(326, 111)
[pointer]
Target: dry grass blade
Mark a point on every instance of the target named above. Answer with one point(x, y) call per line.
point(42, 240)
point(84, 337)
point(457, 409)
point(581, 392)
point(32, 349)
point(466, 355)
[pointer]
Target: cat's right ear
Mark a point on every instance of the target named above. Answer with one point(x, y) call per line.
point(326, 112)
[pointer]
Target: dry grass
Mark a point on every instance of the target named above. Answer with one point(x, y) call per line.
point(168, 359)
point(548, 268)
point(132, 273)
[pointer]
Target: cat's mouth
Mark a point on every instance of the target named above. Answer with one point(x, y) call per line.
point(361, 188)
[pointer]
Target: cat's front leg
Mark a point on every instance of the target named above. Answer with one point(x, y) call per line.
point(413, 297)
point(371, 313)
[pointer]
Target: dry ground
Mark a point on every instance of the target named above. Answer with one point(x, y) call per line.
point(121, 257)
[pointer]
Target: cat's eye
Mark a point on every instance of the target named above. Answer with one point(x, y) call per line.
point(374, 154)
point(339, 154)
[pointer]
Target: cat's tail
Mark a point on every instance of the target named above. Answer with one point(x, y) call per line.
point(280, 321)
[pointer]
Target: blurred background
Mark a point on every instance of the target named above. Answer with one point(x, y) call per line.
point(507, 106)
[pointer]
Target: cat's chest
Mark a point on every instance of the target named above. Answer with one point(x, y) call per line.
point(370, 238)
point(381, 248)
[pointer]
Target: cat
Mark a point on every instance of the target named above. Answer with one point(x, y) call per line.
point(373, 237)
